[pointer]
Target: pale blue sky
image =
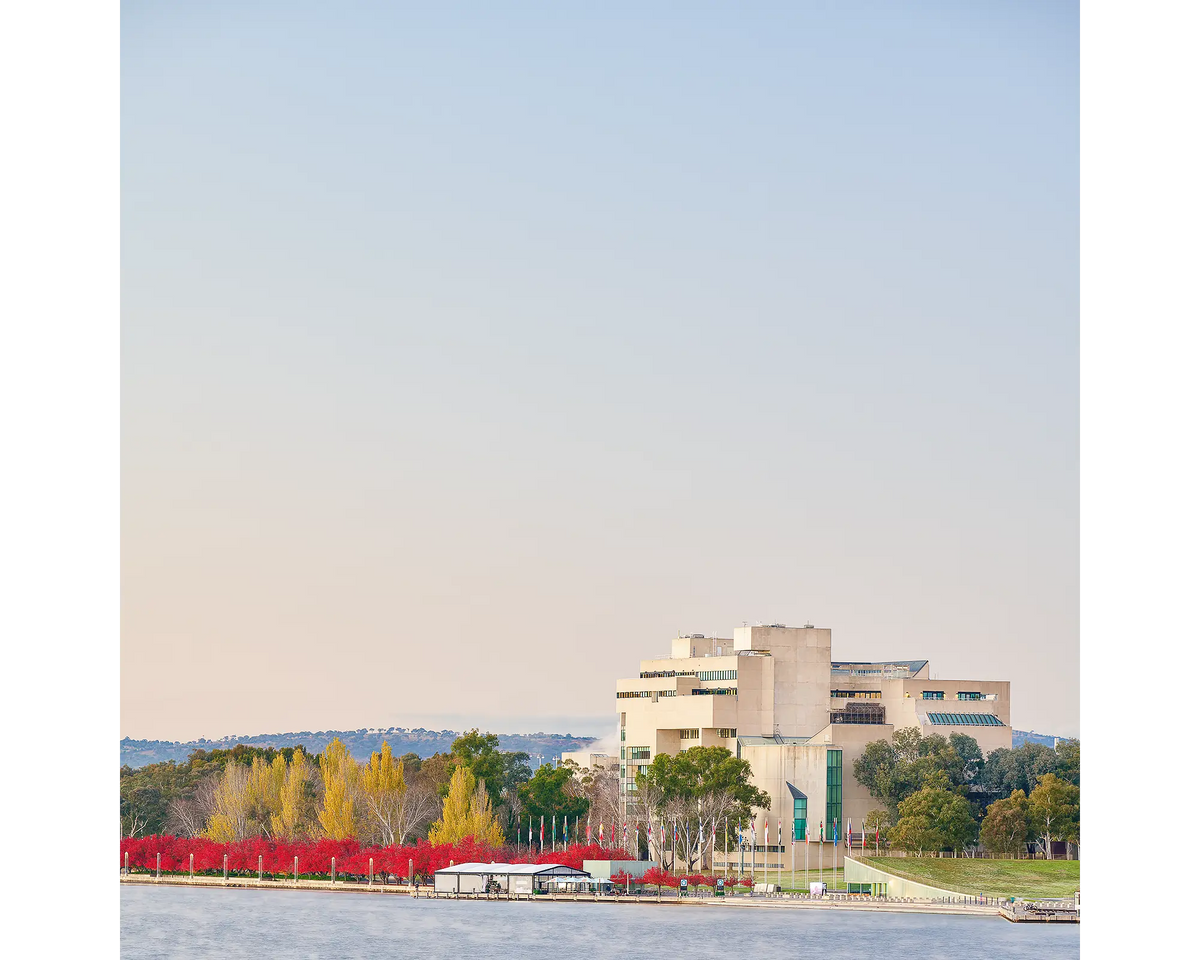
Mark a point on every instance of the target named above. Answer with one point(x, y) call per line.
point(468, 354)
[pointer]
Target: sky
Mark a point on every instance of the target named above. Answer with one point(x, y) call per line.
point(470, 352)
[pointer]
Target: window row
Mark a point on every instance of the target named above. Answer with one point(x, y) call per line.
point(714, 692)
point(716, 675)
point(689, 734)
point(643, 694)
point(727, 733)
point(639, 753)
point(856, 694)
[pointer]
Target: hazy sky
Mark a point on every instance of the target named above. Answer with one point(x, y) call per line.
point(470, 354)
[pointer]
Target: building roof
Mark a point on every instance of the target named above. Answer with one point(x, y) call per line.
point(770, 741)
point(797, 794)
point(914, 666)
point(512, 869)
point(965, 720)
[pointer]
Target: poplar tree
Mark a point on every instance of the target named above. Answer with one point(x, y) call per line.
point(231, 803)
point(384, 792)
point(466, 812)
point(338, 815)
point(293, 820)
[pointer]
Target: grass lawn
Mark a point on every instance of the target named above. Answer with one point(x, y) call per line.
point(992, 878)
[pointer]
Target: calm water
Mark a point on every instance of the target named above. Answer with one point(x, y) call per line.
point(203, 923)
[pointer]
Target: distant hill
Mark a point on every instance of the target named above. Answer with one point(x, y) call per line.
point(541, 747)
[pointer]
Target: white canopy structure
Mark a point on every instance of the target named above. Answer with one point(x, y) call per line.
point(502, 877)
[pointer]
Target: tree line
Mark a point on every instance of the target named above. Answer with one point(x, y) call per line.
point(941, 793)
point(289, 795)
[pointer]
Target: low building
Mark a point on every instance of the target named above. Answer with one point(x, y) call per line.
point(586, 760)
point(503, 877)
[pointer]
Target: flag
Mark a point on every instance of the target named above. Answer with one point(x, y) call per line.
point(589, 831)
point(662, 837)
point(849, 833)
point(601, 833)
point(542, 832)
point(553, 829)
point(822, 831)
point(625, 833)
point(753, 835)
point(835, 831)
point(531, 831)
point(779, 833)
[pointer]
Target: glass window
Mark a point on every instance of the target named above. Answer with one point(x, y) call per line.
point(799, 817)
point(833, 790)
point(933, 694)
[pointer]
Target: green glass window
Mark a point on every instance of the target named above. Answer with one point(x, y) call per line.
point(933, 694)
point(833, 791)
point(799, 817)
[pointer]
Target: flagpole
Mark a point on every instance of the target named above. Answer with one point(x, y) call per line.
point(726, 848)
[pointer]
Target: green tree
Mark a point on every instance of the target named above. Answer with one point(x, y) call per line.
point(1067, 766)
point(894, 770)
point(480, 754)
point(695, 789)
point(1008, 770)
point(933, 819)
point(548, 793)
point(1054, 810)
point(1005, 828)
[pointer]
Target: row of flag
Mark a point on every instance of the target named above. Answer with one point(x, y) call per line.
point(675, 833)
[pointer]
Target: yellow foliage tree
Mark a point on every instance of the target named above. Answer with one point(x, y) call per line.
point(466, 812)
point(484, 826)
point(266, 789)
point(338, 815)
point(292, 821)
point(383, 794)
point(230, 804)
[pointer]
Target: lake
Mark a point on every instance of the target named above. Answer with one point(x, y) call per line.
point(200, 923)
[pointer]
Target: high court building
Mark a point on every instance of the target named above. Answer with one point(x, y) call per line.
point(774, 696)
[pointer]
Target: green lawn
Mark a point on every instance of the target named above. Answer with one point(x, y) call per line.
point(992, 878)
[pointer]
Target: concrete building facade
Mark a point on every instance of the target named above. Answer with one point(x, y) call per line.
point(773, 695)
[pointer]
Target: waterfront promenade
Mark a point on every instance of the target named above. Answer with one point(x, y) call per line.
point(966, 906)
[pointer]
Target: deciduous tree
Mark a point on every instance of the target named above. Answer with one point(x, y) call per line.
point(384, 792)
point(339, 814)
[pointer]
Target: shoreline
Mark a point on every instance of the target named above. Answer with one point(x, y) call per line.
point(769, 902)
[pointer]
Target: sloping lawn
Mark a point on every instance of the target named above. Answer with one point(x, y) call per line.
point(992, 878)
